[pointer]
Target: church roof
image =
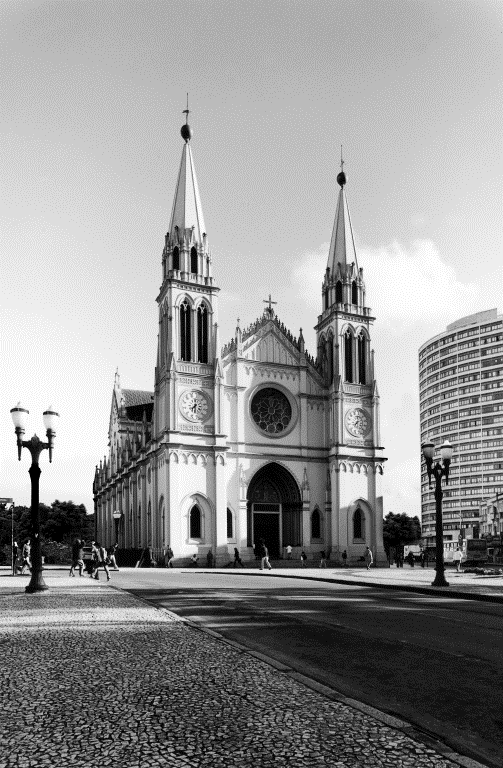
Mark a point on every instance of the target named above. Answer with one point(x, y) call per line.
point(342, 246)
point(136, 397)
point(187, 212)
point(136, 402)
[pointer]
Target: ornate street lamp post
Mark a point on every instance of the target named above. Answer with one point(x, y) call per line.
point(438, 471)
point(35, 446)
point(117, 514)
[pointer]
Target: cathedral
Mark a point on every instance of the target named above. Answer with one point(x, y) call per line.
point(256, 439)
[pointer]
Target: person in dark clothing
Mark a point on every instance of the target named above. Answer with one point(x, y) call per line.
point(263, 553)
point(169, 556)
point(77, 557)
point(237, 559)
point(146, 558)
point(344, 559)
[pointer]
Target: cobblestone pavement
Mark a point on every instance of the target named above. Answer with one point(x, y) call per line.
point(92, 676)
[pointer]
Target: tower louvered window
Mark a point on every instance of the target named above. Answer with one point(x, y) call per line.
point(362, 359)
point(176, 258)
point(338, 292)
point(348, 357)
point(354, 292)
point(202, 334)
point(185, 346)
point(193, 261)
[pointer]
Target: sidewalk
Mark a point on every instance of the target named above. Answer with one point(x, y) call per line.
point(93, 676)
point(469, 586)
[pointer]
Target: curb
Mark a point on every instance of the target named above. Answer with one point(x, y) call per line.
point(437, 591)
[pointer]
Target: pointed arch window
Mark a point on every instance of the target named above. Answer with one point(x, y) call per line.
point(195, 522)
point(338, 292)
point(202, 333)
point(185, 346)
point(358, 524)
point(330, 359)
point(354, 293)
point(362, 359)
point(316, 524)
point(193, 261)
point(229, 524)
point(176, 257)
point(348, 357)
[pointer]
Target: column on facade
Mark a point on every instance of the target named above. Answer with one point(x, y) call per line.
point(221, 544)
point(339, 540)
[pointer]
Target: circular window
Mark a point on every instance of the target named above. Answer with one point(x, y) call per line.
point(271, 411)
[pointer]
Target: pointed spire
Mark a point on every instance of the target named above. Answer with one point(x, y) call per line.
point(342, 246)
point(187, 212)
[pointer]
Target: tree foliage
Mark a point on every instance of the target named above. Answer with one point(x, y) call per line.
point(399, 530)
point(62, 522)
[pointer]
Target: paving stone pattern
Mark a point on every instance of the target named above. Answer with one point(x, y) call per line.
point(91, 676)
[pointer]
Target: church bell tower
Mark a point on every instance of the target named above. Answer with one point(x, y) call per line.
point(347, 362)
point(188, 331)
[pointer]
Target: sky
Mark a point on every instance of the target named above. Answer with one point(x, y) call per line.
point(91, 109)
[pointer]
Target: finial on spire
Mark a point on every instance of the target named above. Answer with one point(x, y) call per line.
point(341, 177)
point(186, 130)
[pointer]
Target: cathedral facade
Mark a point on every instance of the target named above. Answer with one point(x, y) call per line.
point(256, 439)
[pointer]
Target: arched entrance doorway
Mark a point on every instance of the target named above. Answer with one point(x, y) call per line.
point(274, 509)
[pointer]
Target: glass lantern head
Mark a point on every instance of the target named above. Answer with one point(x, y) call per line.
point(428, 450)
point(19, 416)
point(446, 451)
point(50, 419)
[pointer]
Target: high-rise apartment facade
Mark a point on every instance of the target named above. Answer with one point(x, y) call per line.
point(461, 400)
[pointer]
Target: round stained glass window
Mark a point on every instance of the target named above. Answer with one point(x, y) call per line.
point(271, 411)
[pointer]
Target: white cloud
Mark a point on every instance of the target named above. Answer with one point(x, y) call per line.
point(414, 294)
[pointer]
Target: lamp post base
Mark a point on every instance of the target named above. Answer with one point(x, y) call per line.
point(37, 584)
point(439, 580)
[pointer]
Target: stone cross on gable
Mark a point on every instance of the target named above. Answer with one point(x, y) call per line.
point(269, 309)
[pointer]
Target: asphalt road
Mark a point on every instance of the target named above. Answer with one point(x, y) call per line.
point(436, 662)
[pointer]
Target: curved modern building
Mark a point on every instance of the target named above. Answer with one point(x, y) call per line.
point(461, 400)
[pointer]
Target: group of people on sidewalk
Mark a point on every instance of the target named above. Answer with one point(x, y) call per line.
point(25, 557)
point(102, 557)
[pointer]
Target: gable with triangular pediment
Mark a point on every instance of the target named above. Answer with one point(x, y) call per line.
point(270, 346)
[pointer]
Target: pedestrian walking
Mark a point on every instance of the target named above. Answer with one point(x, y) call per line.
point(111, 559)
point(146, 558)
point(344, 559)
point(14, 558)
point(168, 557)
point(264, 556)
point(237, 559)
point(288, 552)
point(77, 557)
point(422, 558)
point(323, 559)
point(26, 555)
point(410, 558)
point(458, 556)
point(303, 559)
point(101, 562)
point(369, 559)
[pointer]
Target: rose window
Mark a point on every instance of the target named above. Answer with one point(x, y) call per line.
point(271, 411)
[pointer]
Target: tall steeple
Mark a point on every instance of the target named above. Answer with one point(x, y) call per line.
point(342, 246)
point(343, 282)
point(186, 253)
point(187, 212)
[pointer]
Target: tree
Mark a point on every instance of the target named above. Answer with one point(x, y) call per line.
point(399, 530)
